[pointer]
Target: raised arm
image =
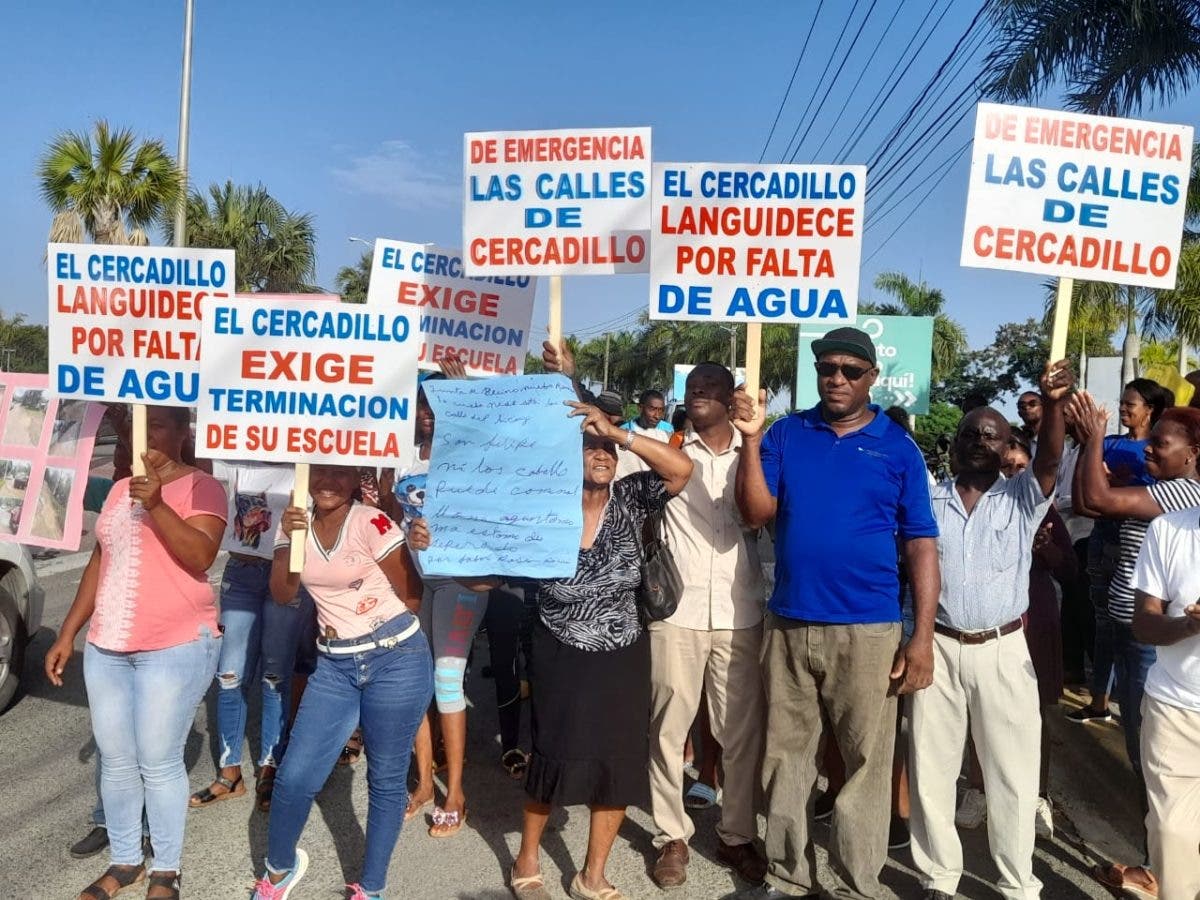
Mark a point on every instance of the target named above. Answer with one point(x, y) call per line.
point(1097, 495)
point(1056, 384)
point(671, 463)
point(754, 499)
point(560, 359)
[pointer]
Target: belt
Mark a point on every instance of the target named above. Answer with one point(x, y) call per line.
point(977, 637)
point(370, 644)
point(247, 559)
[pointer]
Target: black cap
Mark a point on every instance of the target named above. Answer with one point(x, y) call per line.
point(846, 340)
point(610, 403)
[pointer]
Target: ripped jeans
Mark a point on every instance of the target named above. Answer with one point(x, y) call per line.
point(255, 628)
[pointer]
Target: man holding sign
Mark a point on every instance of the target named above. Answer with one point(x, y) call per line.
point(839, 478)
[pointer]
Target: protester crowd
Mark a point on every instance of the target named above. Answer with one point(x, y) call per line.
point(915, 630)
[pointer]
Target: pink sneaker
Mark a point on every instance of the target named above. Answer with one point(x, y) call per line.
point(265, 890)
point(357, 893)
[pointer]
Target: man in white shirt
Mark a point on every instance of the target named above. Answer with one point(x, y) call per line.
point(710, 644)
point(1166, 580)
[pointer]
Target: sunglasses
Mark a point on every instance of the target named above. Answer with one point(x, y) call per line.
point(849, 372)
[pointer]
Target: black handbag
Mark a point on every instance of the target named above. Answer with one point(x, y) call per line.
point(662, 585)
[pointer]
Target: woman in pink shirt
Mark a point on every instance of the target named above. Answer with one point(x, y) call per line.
point(152, 648)
point(373, 668)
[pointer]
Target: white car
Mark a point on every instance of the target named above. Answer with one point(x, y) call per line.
point(21, 601)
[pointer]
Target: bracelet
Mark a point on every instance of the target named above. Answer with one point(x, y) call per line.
point(628, 441)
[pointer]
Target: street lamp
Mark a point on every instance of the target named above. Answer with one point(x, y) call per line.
point(365, 243)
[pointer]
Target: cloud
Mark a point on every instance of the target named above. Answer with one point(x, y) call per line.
point(402, 175)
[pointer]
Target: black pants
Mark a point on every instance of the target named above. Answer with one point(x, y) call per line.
point(1078, 617)
point(508, 631)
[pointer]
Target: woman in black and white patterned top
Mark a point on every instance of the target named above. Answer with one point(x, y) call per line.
point(591, 664)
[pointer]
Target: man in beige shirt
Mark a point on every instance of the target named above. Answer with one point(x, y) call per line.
point(711, 643)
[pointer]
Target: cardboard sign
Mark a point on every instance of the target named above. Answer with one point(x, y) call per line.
point(756, 243)
point(1076, 196)
point(904, 354)
point(484, 321)
point(288, 381)
point(567, 202)
point(505, 484)
point(125, 321)
point(45, 455)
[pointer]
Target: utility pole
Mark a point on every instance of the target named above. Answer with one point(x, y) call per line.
point(607, 345)
point(185, 113)
point(733, 349)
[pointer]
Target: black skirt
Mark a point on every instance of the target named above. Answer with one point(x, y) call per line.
point(590, 723)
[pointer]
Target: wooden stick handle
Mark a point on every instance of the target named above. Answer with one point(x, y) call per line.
point(753, 359)
point(138, 438)
point(1062, 319)
point(300, 499)
point(555, 327)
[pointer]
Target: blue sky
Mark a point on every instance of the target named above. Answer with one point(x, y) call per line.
point(354, 112)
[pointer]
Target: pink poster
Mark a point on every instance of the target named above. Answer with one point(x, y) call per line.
point(45, 454)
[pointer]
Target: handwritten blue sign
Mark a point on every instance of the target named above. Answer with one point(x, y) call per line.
point(503, 495)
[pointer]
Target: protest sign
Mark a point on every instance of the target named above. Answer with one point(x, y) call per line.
point(904, 354)
point(299, 382)
point(45, 455)
point(125, 321)
point(484, 321)
point(563, 202)
point(1076, 196)
point(504, 492)
point(756, 243)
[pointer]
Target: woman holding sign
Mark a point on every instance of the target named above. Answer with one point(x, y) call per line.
point(590, 666)
point(373, 669)
point(152, 648)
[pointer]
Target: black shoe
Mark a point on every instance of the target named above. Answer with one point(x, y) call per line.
point(931, 894)
point(898, 836)
point(823, 808)
point(91, 843)
point(1087, 714)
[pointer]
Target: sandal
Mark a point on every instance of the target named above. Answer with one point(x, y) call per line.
point(701, 796)
point(206, 797)
point(1116, 876)
point(124, 876)
point(579, 891)
point(265, 788)
point(352, 751)
point(515, 762)
point(450, 823)
point(531, 887)
point(167, 883)
point(411, 811)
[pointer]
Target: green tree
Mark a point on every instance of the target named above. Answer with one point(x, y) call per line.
point(941, 421)
point(30, 345)
point(275, 247)
point(913, 299)
point(353, 281)
point(1112, 56)
point(1014, 358)
point(106, 185)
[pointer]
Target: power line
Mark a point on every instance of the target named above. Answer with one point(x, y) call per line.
point(791, 81)
point(897, 197)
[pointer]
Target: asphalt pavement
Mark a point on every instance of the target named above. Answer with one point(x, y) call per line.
point(47, 761)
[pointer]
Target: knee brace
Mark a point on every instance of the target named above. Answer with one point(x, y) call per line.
point(448, 674)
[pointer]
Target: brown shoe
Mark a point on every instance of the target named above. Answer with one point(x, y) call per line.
point(743, 859)
point(670, 870)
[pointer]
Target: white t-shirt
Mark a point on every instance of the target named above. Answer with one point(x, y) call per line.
point(629, 462)
point(258, 494)
point(1168, 567)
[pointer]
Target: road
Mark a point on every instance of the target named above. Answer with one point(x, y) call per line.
point(46, 766)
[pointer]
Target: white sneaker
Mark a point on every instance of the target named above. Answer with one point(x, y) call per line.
point(1043, 823)
point(972, 812)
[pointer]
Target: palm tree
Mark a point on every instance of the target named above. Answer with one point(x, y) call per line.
point(107, 185)
point(1112, 55)
point(912, 299)
point(353, 281)
point(276, 248)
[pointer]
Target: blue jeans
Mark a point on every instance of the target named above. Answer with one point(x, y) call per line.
point(388, 691)
point(1132, 661)
point(142, 707)
point(255, 627)
point(1103, 665)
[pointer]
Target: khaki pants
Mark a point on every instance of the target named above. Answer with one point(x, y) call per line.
point(725, 664)
point(993, 687)
point(1171, 765)
point(835, 674)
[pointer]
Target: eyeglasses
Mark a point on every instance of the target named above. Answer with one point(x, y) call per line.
point(849, 372)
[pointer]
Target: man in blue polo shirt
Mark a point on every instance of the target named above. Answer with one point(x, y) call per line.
point(843, 483)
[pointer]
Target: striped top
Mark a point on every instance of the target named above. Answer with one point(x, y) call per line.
point(1172, 496)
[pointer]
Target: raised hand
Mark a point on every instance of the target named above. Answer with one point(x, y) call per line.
point(558, 359)
point(747, 416)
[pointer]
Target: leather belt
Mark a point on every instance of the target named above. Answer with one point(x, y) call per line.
point(386, 643)
point(248, 560)
point(977, 637)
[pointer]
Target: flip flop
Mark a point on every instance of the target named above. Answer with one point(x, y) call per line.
point(531, 887)
point(411, 812)
point(451, 822)
point(1114, 876)
point(701, 796)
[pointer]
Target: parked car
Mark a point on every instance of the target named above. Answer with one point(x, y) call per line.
point(21, 601)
